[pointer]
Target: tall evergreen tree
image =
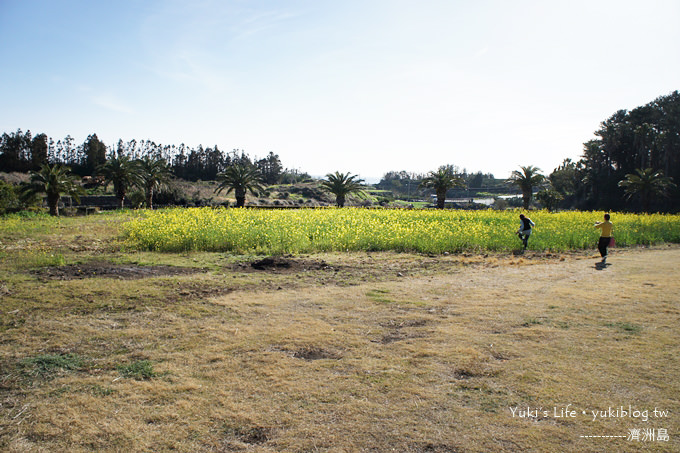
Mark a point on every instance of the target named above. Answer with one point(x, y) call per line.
point(15, 151)
point(39, 151)
point(270, 167)
point(645, 137)
point(94, 154)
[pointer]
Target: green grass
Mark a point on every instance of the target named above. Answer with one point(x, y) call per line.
point(380, 295)
point(140, 370)
point(625, 327)
point(48, 365)
point(35, 259)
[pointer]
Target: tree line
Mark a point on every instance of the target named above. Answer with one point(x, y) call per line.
point(408, 185)
point(634, 164)
point(22, 152)
point(643, 143)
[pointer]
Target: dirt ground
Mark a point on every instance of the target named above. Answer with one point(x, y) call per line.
point(349, 352)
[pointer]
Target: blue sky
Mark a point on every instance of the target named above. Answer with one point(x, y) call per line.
point(364, 86)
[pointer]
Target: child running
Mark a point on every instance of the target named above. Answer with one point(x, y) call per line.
point(525, 229)
point(606, 228)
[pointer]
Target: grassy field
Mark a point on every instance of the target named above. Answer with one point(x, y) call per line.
point(107, 348)
point(357, 229)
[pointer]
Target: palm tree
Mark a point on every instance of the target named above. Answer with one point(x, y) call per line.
point(241, 179)
point(441, 181)
point(54, 180)
point(646, 184)
point(123, 173)
point(526, 180)
point(341, 185)
point(154, 174)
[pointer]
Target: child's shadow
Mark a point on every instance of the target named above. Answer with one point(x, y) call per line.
point(601, 266)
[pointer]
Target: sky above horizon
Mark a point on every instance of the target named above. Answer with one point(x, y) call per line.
point(364, 87)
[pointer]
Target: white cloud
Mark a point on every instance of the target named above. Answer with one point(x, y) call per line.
point(260, 22)
point(111, 102)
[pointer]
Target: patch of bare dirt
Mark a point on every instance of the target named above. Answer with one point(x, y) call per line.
point(436, 448)
point(400, 324)
point(245, 437)
point(284, 264)
point(398, 336)
point(314, 353)
point(110, 270)
point(255, 435)
point(400, 330)
point(308, 353)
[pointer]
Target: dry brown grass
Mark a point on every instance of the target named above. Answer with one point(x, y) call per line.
point(363, 352)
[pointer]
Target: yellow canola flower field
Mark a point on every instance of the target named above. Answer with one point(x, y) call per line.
point(264, 231)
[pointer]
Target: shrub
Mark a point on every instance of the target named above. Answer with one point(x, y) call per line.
point(9, 198)
point(174, 196)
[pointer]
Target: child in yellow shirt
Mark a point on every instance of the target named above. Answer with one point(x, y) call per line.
point(606, 228)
